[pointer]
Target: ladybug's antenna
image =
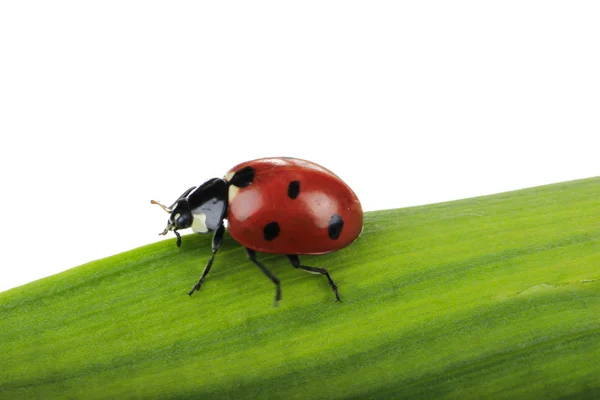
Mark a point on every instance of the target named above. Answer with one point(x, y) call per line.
point(161, 206)
point(170, 226)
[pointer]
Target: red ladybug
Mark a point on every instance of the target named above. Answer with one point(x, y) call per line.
point(277, 205)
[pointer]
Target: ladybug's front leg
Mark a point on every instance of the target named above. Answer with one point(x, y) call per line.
point(216, 244)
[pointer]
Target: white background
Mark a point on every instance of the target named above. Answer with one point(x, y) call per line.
point(105, 105)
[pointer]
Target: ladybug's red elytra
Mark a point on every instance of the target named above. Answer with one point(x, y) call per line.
point(276, 205)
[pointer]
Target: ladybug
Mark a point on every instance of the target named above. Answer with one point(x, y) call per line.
point(276, 205)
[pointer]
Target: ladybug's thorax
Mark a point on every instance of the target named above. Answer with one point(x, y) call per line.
point(208, 205)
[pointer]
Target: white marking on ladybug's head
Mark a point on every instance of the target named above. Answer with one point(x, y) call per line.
point(229, 175)
point(233, 191)
point(199, 223)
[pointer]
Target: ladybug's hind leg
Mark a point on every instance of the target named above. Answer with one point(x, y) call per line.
point(252, 257)
point(315, 270)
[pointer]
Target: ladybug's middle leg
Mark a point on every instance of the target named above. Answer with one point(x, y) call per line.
point(315, 270)
point(252, 257)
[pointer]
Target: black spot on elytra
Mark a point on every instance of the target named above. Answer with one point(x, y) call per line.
point(293, 189)
point(243, 177)
point(271, 231)
point(336, 223)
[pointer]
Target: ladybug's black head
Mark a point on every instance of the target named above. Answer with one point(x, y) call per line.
point(202, 209)
point(180, 215)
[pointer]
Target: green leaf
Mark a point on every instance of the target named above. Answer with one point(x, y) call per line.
point(491, 297)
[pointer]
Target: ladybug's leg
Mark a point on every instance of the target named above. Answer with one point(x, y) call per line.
point(252, 257)
point(315, 270)
point(216, 244)
point(178, 237)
